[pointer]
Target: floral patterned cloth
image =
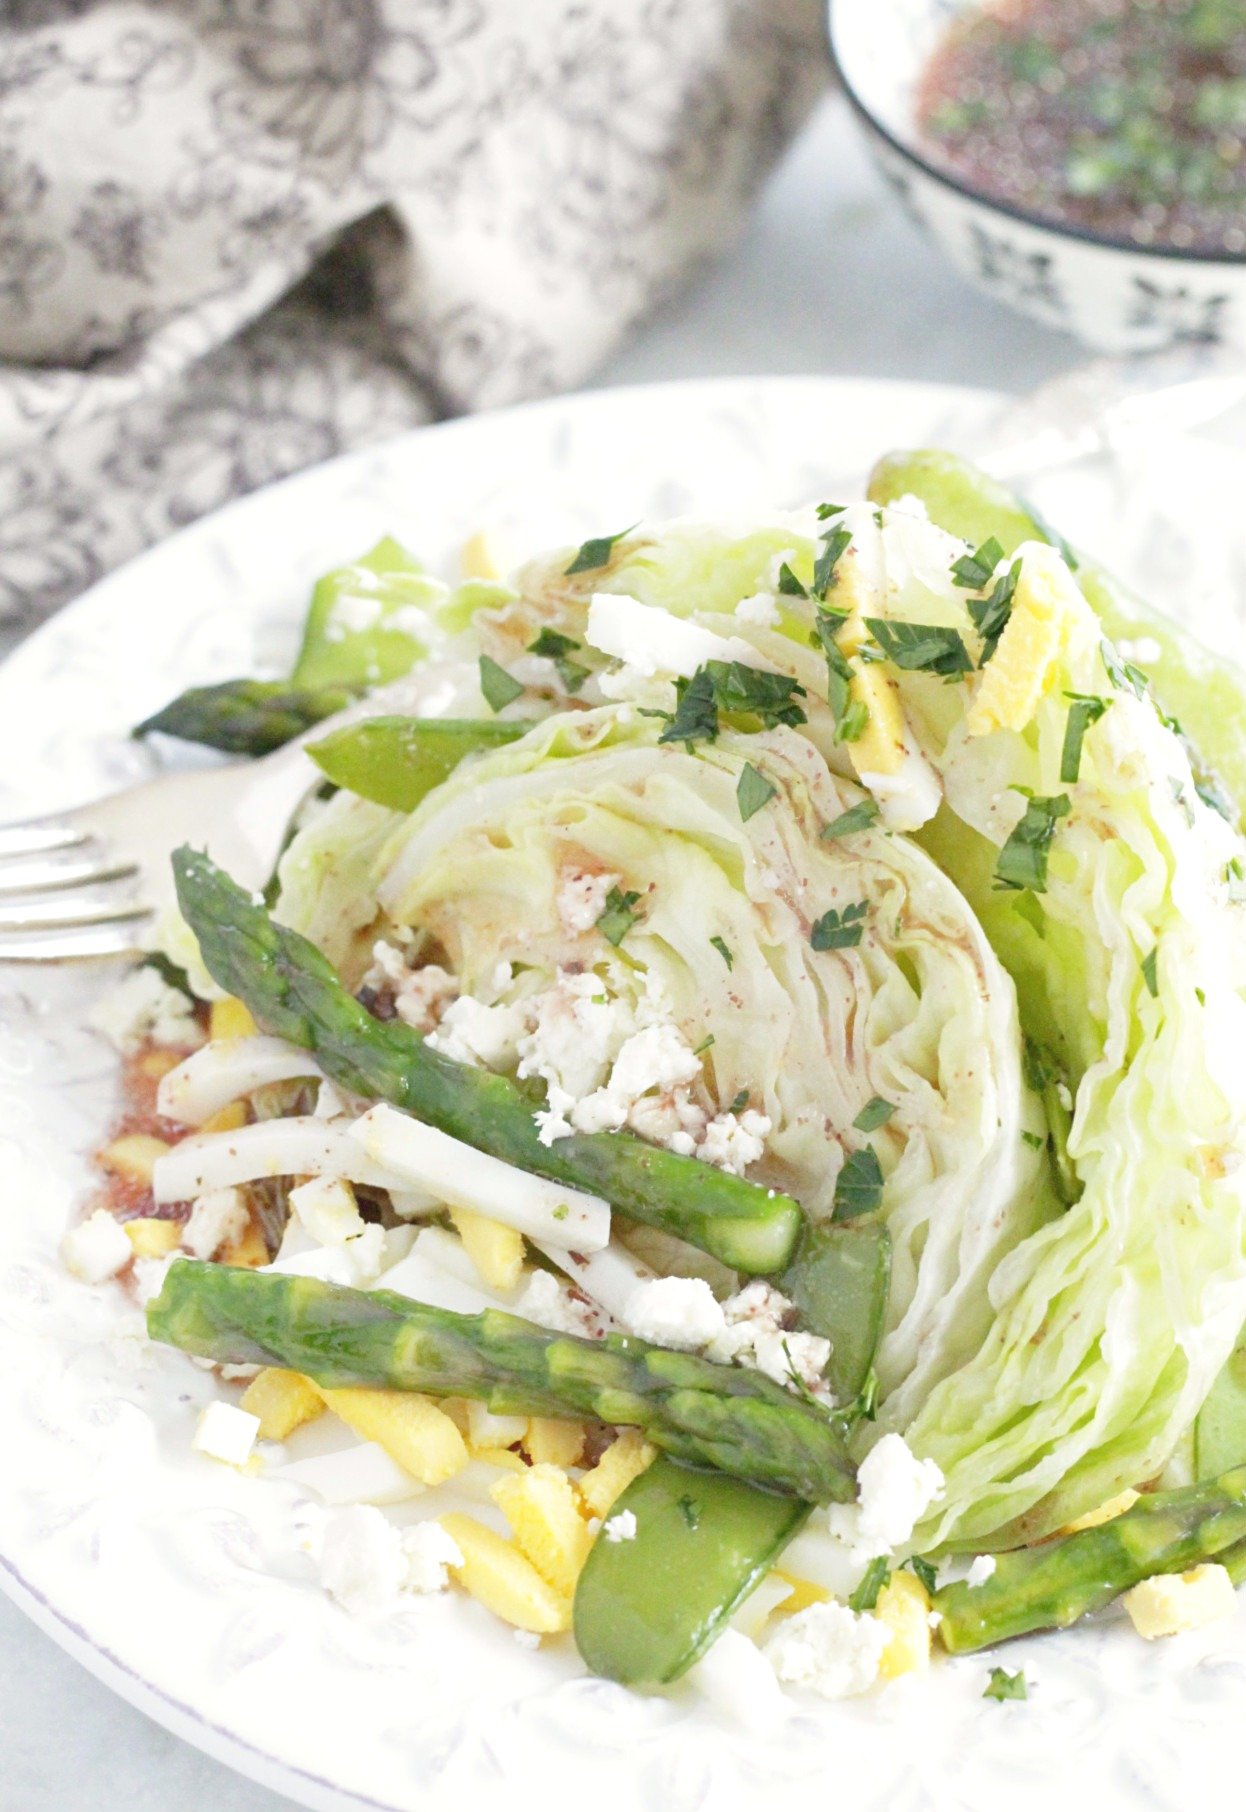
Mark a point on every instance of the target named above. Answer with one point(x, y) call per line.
point(239, 236)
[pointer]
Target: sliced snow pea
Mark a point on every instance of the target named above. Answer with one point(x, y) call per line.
point(1220, 1428)
point(1203, 690)
point(368, 622)
point(839, 1281)
point(396, 761)
point(648, 1607)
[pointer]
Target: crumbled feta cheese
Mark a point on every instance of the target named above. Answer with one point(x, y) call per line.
point(97, 1249)
point(734, 1141)
point(471, 1032)
point(422, 998)
point(620, 1527)
point(226, 1433)
point(546, 1302)
point(325, 1208)
point(576, 1029)
point(362, 1563)
point(757, 1333)
point(761, 609)
point(351, 615)
point(829, 1650)
point(680, 1312)
point(895, 1489)
point(740, 1683)
point(429, 1551)
point(216, 1219)
point(581, 899)
point(981, 1570)
point(145, 1008)
point(389, 964)
point(656, 1057)
point(1174, 1602)
point(674, 1120)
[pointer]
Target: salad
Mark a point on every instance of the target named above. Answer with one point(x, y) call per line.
point(731, 1102)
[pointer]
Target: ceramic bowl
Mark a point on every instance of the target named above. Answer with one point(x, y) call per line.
point(1116, 296)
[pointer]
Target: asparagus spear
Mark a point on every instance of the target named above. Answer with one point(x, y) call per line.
point(720, 1416)
point(294, 992)
point(1052, 1585)
point(246, 717)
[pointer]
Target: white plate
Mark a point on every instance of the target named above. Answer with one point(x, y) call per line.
point(177, 1581)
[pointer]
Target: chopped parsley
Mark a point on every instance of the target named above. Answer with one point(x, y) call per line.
point(858, 817)
point(1122, 673)
point(596, 552)
point(1003, 1685)
point(972, 572)
point(925, 1570)
point(990, 615)
point(499, 687)
point(740, 1103)
point(690, 1510)
point(789, 584)
point(1022, 862)
point(873, 1580)
point(554, 646)
point(703, 1046)
point(826, 510)
point(1211, 793)
point(1150, 972)
point(835, 544)
point(921, 647)
point(1034, 1139)
point(850, 714)
point(752, 791)
point(724, 950)
point(619, 917)
point(1083, 711)
point(859, 1185)
point(696, 711)
point(874, 1114)
point(839, 930)
point(732, 687)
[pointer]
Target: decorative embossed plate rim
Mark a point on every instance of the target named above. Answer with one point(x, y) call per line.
point(178, 1582)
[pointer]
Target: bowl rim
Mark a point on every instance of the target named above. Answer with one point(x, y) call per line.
point(1226, 261)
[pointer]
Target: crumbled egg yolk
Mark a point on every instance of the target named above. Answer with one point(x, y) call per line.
point(1173, 1602)
point(1022, 669)
point(1115, 1506)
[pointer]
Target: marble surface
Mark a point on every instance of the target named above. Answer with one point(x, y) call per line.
point(829, 276)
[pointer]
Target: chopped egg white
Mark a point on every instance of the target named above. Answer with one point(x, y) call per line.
point(650, 640)
point(216, 1219)
point(326, 1208)
point(226, 1433)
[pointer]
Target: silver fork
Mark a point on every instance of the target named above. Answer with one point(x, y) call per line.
point(91, 882)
